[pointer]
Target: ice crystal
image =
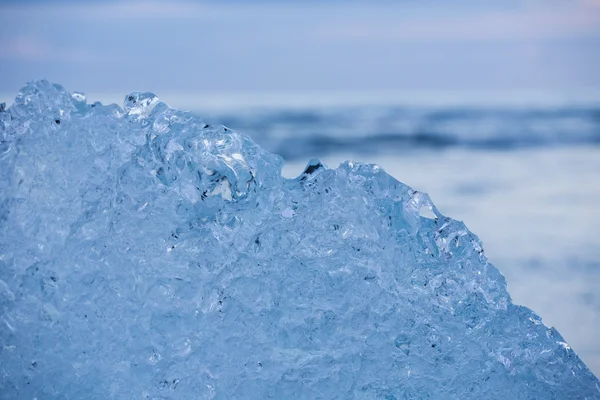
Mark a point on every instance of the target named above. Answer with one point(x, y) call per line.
point(145, 254)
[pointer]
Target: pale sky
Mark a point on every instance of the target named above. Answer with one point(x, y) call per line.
point(329, 46)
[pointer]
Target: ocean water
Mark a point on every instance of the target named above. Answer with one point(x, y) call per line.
point(298, 133)
point(525, 179)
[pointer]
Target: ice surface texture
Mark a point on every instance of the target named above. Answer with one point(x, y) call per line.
point(144, 254)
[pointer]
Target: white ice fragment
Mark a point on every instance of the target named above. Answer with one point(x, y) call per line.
point(237, 156)
point(191, 193)
point(140, 104)
point(78, 97)
point(287, 213)
point(223, 188)
point(172, 147)
point(564, 345)
point(426, 212)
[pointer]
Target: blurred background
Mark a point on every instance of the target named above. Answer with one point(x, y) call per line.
point(493, 108)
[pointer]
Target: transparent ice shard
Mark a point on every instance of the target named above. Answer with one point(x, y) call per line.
point(146, 254)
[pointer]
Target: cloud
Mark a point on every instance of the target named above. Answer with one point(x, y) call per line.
point(133, 10)
point(521, 24)
point(591, 3)
point(143, 10)
point(23, 48)
point(259, 46)
point(26, 48)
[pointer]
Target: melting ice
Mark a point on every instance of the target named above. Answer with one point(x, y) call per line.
point(146, 254)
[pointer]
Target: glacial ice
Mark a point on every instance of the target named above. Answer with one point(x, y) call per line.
point(147, 255)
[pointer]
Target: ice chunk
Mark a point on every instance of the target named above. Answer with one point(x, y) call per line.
point(145, 254)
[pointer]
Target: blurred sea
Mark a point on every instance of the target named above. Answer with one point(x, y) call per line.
point(298, 134)
point(524, 178)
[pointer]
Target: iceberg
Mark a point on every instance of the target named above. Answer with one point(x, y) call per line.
point(145, 254)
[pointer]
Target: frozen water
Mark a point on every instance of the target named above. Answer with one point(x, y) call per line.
point(145, 254)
